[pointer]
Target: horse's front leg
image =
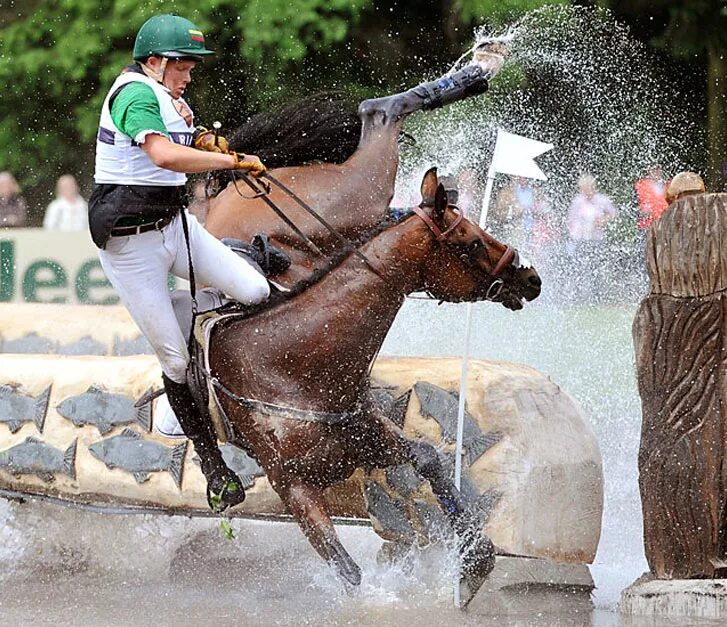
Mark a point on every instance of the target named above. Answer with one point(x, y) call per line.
point(307, 505)
point(475, 548)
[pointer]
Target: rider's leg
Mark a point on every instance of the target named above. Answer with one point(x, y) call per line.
point(216, 265)
point(137, 267)
point(223, 486)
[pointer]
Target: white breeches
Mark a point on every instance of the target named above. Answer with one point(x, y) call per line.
point(138, 265)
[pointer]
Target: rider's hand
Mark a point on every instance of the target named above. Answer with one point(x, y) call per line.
point(248, 163)
point(204, 139)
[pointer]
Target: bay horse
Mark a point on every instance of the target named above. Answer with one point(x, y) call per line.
point(352, 195)
point(293, 378)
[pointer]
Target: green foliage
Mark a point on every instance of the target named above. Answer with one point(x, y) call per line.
point(226, 528)
point(497, 12)
point(58, 60)
point(689, 26)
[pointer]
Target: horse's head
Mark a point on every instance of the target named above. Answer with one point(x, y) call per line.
point(466, 263)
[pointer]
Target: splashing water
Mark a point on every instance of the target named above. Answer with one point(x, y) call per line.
point(574, 78)
point(577, 79)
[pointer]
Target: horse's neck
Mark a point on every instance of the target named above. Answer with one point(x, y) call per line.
point(330, 333)
point(362, 305)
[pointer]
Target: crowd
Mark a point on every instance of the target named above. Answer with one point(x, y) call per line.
point(67, 212)
point(573, 243)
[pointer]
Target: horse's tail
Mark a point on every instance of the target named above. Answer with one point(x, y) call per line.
point(323, 127)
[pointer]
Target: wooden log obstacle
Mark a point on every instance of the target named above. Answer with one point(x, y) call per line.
point(532, 464)
point(681, 361)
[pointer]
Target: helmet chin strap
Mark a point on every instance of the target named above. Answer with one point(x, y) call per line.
point(153, 74)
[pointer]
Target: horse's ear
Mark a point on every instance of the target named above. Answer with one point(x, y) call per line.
point(429, 187)
point(440, 204)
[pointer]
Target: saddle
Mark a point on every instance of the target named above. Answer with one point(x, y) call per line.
point(211, 305)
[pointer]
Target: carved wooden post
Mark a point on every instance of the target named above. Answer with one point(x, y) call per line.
point(679, 336)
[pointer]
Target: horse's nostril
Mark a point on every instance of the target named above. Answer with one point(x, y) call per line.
point(535, 281)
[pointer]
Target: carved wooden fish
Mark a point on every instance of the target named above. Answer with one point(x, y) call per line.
point(33, 457)
point(17, 408)
point(443, 407)
point(132, 453)
point(104, 410)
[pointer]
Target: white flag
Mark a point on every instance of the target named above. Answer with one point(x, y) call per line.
point(515, 154)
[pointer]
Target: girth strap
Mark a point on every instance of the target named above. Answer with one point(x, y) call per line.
point(283, 411)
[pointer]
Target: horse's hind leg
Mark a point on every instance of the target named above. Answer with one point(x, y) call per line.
point(307, 505)
point(469, 81)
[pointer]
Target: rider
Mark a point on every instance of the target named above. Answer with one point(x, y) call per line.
point(146, 143)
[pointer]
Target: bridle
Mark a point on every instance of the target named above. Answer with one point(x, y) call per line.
point(507, 258)
point(261, 189)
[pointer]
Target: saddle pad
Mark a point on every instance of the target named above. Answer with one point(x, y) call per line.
point(204, 325)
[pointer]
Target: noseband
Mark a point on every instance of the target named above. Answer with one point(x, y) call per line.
point(441, 236)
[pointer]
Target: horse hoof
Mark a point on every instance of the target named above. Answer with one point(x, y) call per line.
point(346, 568)
point(478, 560)
point(350, 573)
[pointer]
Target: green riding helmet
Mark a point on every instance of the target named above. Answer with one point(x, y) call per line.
point(169, 36)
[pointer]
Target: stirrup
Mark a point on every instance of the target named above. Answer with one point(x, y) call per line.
point(231, 494)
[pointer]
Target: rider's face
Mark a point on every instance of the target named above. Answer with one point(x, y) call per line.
point(177, 75)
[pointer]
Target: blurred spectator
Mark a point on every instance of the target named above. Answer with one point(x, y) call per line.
point(513, 214)
point(470, 192)
point(199, 204)
point(588, 216)
point(13, 208)
point(69, 211)
point(547, 228)
point(650, 192)
point(589, 213)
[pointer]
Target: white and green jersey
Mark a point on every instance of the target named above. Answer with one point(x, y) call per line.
point(119, 157)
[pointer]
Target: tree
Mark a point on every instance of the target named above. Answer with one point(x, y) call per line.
point(695, 30)
point(58, 57)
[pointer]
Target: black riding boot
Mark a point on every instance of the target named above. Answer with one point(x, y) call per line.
point(224, 488)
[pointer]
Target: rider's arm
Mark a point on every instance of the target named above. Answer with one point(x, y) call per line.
point(135, 112)
point(170, 156)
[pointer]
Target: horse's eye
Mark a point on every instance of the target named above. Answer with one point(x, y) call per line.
point(475, 246)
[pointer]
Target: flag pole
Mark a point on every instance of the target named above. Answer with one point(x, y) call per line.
point(466, 348)
point(464, 372)
point(513, 155)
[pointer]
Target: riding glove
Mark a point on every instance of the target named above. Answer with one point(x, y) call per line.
point(204, 139)
point(249, 163)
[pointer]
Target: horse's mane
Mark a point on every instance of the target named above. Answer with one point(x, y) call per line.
point(323, 127)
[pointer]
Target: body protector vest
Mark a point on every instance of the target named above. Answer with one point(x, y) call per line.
point(127, 182)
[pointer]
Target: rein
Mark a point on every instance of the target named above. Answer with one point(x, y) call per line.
point(344, 417)
point(262, 191)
